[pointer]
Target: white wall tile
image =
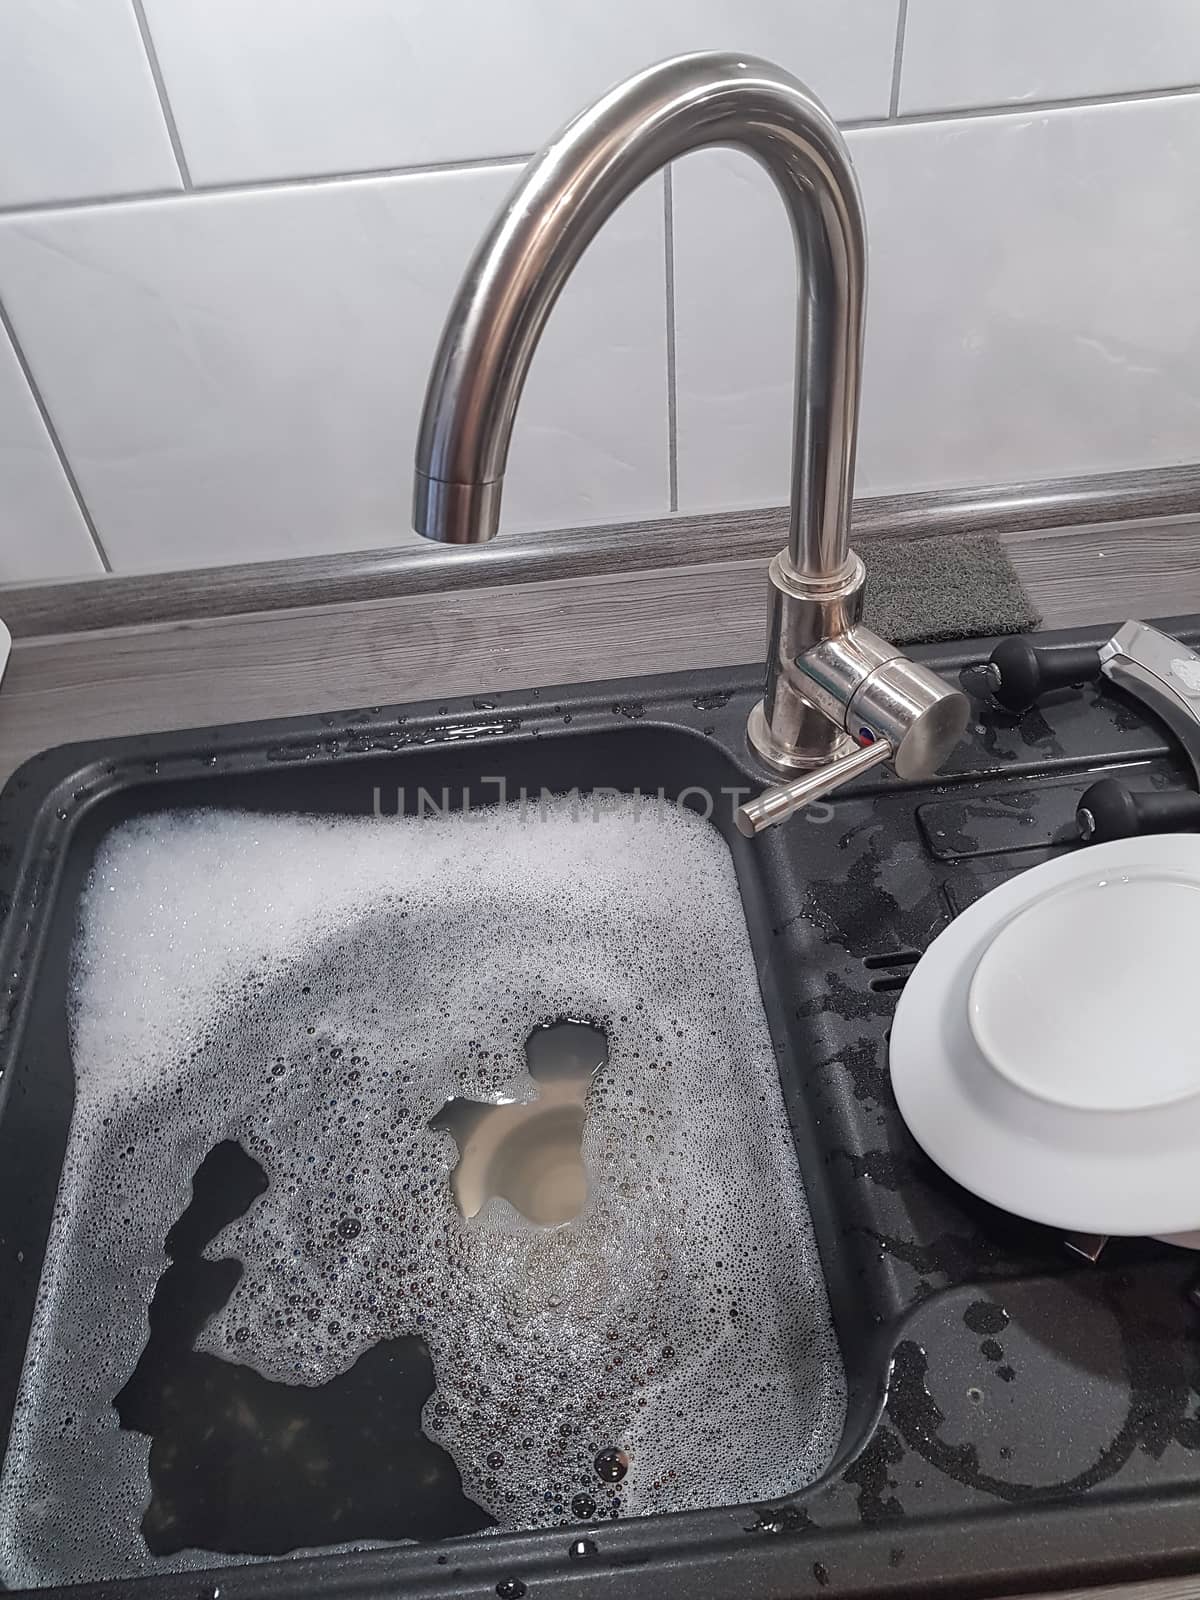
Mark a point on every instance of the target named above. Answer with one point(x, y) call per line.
point(240, 376)
point(1033, 306)
point(79, 114)
point(42, 534)
point(990, 52)
point(272, 88)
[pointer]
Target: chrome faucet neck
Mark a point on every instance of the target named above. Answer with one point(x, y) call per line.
point(565, 195)
point(831, 686)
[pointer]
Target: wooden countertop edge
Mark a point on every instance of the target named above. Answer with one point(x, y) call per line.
point(414, 566)
point(66, 686)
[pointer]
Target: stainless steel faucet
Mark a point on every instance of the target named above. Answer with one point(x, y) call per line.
point(838, 699)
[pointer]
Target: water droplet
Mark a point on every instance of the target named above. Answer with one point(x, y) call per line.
point(583, 1505)
point(510, 1589)
point(495, 1460)
point(349, 1227)
point(583, 1549)
point(612, 1464)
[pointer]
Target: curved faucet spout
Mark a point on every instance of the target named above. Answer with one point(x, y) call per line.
point(561, 201)
point(831, 685)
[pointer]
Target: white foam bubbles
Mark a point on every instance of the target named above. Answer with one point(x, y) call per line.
point(317, 989)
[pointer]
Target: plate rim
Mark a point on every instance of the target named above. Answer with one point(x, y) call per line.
point(958, 943)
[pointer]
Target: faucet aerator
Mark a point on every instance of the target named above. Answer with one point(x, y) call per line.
point(456, 513)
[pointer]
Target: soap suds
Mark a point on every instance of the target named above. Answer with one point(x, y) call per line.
point(316, 989)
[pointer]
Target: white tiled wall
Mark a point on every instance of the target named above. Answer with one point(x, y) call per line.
point(963, 53)
point(273, 89)
point(42, 531)
point(239, 375)
point(79, 114)
point(229, 233)
point(1033, 304)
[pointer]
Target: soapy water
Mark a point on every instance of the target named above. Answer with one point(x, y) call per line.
point(314, 991)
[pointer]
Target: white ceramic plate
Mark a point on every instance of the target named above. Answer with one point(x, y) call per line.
point(1046, 1049)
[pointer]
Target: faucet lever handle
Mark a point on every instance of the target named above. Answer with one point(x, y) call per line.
point(779, 803)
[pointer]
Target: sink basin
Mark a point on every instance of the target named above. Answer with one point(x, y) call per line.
point(968, 1373)
point(310, 994)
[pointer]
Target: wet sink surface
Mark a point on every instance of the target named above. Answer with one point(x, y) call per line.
point(988, 1377)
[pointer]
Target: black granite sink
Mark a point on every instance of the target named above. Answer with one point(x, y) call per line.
point(1015, 1419)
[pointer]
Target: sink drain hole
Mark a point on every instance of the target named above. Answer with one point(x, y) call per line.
point(530, 1153)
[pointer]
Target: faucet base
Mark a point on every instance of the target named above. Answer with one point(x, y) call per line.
point(821, 741)
point(787, 730)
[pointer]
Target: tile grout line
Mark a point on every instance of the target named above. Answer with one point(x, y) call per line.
point(1019, 108)
point(669, 285)
point(92, 202)
point(160, 88)
point(55, 441)
point(484, 163)
point(898, 59)
point(317, 180)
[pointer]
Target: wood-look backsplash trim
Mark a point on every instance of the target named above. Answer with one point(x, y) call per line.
point(417, 567)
